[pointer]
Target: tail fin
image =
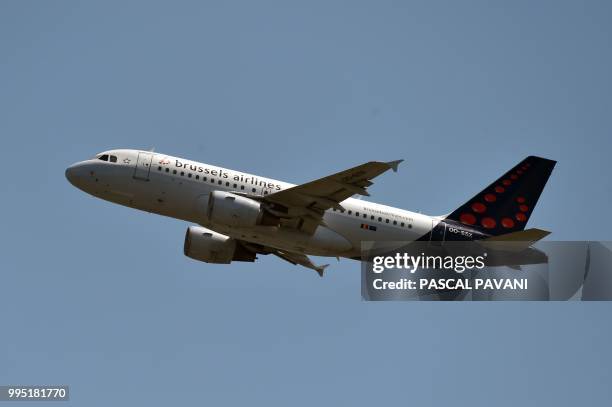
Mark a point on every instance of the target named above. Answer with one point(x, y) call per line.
point(506, 205)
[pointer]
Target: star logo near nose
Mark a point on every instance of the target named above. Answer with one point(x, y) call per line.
point(127, 160)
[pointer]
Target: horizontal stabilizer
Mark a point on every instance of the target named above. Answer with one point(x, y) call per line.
point(515, 241)
point(529, 235)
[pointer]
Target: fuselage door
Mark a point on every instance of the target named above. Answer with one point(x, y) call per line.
point(143, 166)
point(438, 232)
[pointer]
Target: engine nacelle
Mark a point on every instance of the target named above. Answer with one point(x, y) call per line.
point(211, 247)
point(234, 210)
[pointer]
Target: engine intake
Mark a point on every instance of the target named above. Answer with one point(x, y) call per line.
point(237, 211)
point(211, 247)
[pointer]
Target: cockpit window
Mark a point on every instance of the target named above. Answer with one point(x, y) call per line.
point(106, 157)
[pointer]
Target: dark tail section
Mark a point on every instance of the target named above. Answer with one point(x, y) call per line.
point(506, 205)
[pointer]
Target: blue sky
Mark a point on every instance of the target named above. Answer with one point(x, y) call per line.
point(100, 297)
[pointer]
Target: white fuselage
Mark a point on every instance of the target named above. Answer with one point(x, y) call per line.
point(180, 188)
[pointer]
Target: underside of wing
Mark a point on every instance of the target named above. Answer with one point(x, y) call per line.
point(291, 257)
point(301, 259)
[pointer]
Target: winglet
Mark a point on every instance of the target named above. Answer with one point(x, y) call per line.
point(321, 269)
point(394, 164)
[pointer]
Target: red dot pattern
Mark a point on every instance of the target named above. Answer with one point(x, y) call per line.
point(490, 197)
point(467, 218)
point(478, 207)
point(488, 223)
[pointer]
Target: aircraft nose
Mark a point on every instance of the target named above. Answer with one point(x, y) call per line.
point(70, 174)
point(73, 174)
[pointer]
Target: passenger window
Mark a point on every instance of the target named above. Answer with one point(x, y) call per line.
point(203, 178)
point(220, 182)
point(356, 213)
point(379, 219)
point(113, 158)
point(227, 184)
point(197, 177)
point(350, 212)
point(386, 220)
point(182, 173)
point(174, 171)
point(158, 168)
point(167, 169)
point(103, 157)
point(241, 186)
point(372, 217)
point(395, 222)
point(235, 186)
point(189, 175)
point(402, 224)
point(253, 189)
point(212, 180)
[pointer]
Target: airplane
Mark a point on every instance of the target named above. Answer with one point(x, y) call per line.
point(238, 216)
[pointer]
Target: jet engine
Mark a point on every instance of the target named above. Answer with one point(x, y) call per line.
point(211, 247)
point(234, 210)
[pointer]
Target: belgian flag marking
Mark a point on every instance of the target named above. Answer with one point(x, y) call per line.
point(368, 227)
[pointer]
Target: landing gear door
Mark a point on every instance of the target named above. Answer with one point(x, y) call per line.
point(143, 166)
point(438, 232)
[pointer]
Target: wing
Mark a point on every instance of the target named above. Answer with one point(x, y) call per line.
point(301, 259)
point(293, 258)
point(304, 205)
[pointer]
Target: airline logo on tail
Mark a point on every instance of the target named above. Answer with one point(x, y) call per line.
point(506, 205)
